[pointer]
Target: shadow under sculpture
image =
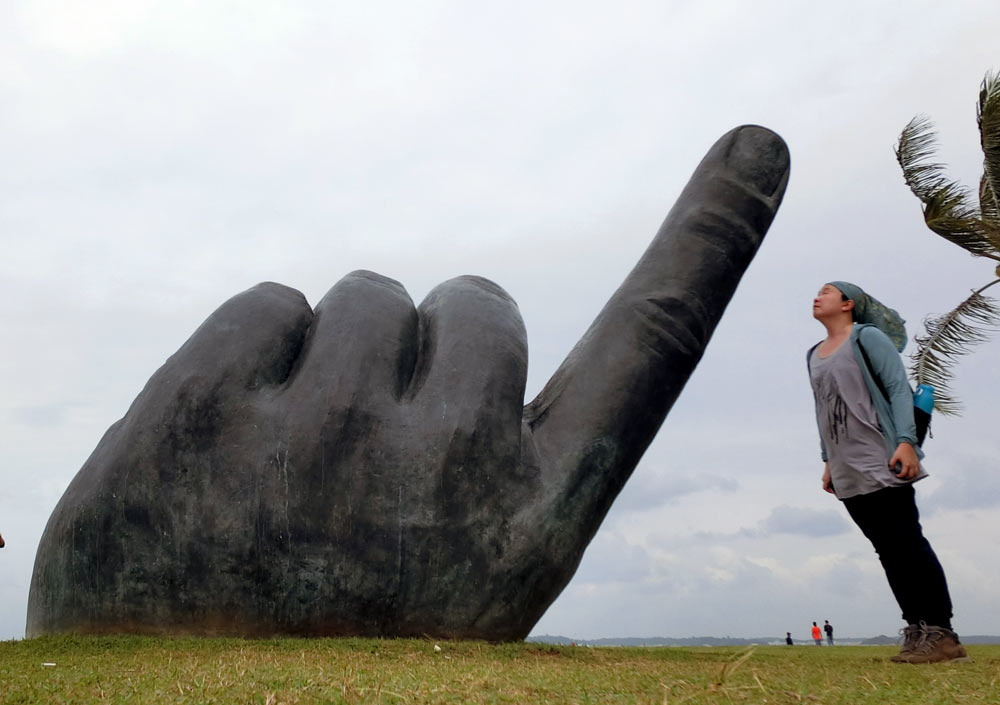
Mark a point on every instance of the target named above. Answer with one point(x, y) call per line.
point(368, 468)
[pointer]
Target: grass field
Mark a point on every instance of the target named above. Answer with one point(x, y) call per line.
point(268, 672)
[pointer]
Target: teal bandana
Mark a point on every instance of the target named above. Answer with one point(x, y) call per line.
point(868, 309)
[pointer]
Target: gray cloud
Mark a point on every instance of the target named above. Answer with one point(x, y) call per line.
point(737, 593)
point(976, 487)
point(804, 522)
point(611, 559)
point(160, 159)
point(658, 487)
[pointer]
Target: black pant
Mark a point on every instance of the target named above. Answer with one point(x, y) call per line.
point(890, 520)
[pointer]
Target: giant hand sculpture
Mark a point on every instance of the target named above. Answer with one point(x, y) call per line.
point(368, 468)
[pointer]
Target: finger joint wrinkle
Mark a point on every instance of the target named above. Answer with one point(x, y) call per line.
point(675, 323)
point(726, 231)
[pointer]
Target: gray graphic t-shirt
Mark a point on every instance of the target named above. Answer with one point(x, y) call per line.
point(849, 427)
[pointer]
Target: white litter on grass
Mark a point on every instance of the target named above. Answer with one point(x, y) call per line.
point(437, 648)
point(48, 664)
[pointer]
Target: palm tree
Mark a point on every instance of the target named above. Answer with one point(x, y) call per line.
point(951, 211)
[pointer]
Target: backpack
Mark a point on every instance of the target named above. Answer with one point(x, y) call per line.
point(923, 399)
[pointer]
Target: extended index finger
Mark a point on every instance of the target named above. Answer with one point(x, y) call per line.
point(596, 416)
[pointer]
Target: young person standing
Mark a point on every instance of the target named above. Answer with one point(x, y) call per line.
point(868, 444)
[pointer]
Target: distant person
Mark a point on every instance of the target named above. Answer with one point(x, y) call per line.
point(828, 628)
point(817, 635)
point(788, 639)
point(868, 445)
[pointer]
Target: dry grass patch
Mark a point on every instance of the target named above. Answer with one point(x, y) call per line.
point(287, 671)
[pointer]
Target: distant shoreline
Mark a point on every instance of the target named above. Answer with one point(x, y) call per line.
point(880, 640)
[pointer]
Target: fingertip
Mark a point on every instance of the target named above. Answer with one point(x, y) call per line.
point(276, 290)
point(472, 326)
point(473, 285)
point(368, 277)
point(361, 343)
point(250, 340)
point(759, 157)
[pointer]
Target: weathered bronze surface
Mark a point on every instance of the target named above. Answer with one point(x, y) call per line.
point(368, 468)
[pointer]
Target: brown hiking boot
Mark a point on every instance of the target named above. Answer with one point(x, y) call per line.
point(911, 635)
point(933, 645)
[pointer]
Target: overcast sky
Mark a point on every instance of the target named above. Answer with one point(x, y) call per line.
point(158, 158)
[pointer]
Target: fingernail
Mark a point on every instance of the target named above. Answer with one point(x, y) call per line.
point(759, 157)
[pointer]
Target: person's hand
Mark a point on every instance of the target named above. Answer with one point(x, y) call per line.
point(827, 481)
point(906, 457)
point(368, 468)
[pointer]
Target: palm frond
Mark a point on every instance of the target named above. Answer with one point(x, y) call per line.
point(949, 209)
point(949, 337)
point(949, 214)
point(988, 118)
point(914, 152)
point(989, 209)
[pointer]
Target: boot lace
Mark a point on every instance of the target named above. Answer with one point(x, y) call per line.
point(929, 638)
point(912, 636)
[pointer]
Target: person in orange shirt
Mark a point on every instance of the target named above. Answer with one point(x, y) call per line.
point(817, 634)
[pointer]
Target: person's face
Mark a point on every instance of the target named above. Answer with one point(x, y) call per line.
point(829, 302)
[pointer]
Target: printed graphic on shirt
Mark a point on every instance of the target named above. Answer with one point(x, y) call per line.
point(856, 451)
point(837, 421)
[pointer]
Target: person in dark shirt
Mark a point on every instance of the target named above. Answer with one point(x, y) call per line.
point(828, 628)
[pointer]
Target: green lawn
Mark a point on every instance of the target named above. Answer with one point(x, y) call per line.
point(149, 670)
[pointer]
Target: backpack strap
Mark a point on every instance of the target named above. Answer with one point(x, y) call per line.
point(871, 370)
point(809, 357)
point(921, 418)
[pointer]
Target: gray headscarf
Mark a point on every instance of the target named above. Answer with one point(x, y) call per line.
point(868, 309)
